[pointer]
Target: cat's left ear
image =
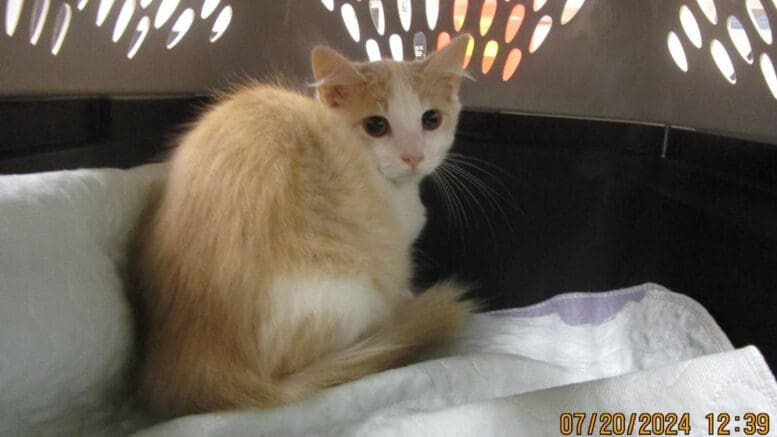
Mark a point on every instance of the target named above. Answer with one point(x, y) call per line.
point(448, 62)
point(336, 78)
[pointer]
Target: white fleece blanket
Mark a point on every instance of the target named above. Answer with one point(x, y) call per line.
point(66, 341)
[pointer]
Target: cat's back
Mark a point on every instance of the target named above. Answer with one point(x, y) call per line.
point(267, 128)
point(266, 157)
point(259, 114)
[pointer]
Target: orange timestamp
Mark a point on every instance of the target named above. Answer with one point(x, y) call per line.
point(660, 424)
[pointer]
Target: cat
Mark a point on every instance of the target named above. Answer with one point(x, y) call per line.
point(277, 260)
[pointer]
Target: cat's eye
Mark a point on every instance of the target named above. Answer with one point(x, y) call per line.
point(376, 126)
point(431, 119)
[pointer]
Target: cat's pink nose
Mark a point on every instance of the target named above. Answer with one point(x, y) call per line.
point(412, 159)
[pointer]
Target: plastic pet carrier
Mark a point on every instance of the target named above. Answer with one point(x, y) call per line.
point(605, 147)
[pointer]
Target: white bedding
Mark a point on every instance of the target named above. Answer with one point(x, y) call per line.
point(66, 341)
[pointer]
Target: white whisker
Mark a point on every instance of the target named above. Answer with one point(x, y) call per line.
point(492, 196)
point(453, 174)
point(456, 206)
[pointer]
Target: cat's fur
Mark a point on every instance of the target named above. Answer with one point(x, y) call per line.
point(277, 261)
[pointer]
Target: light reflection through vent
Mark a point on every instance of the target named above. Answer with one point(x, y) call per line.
point(125, 15)
point(419, 45)
point(208, 7)
point(102, 11)
point(540, 33)
point(405, 8)
point(489, 56)
point(39, 14)
point(395, 44)
point(511, 64)
point(61, 26)
point(487, 14)
point(738, 35)
point(378, 16)
point(709, 10)
point(433, 12)
point(690, 26)
point(459, 13)
point(180, 28)
point(571, 8)
point(514, 22)
point(141, 31)
point(350, 21)
point(723, 61)
point(13, 10)
point(755, 9)
point(677, 52)
point(165, 11)
point(373, 51)
point(221, 24)
point(767, 69)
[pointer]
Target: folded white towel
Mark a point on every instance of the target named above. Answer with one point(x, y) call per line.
point(515, 372)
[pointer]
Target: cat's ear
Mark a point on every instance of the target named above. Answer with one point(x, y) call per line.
point(450, 59)
point(336, 78)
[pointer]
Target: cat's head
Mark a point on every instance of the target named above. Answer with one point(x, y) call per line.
point(404, 112)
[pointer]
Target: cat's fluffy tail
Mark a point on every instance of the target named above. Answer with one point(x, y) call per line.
point(428, 317)
point(424, 319)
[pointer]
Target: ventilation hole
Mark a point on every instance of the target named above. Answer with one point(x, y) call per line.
point(443, 39)
point(487, 13)
point(378, 16)
point(419, 45)
point(761, 22)
point(61, 26)
point(350, 21)
point(40, 12)
point(165, 11)
point(511, 64)
point(469, 52)
point(514, 22)
point(181, 26)
point(329, 4)
point(709, 10)
point(723, 61)
point(395, 44)
point(102, 11)
point(736, 31)
point(82, 4)
point(432, 12)
point(767, 69)
point(405, 13)
point(571, 8)
point(208, 7)
point(13, 10)
point(138, 37)
point(538, 4)
point(125, 15)
point(677, 51)
point(489, 55)
point(373, 51)
point(459, 14)
point(221, 24)
point(690, 26)
point(540, 33)
point(146, 3)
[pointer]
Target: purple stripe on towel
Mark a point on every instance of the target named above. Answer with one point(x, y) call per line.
point(582, 308)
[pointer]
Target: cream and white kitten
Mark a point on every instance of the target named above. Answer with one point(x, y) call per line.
point(277, 261)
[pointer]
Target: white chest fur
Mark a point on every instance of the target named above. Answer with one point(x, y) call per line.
point(410, 211)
